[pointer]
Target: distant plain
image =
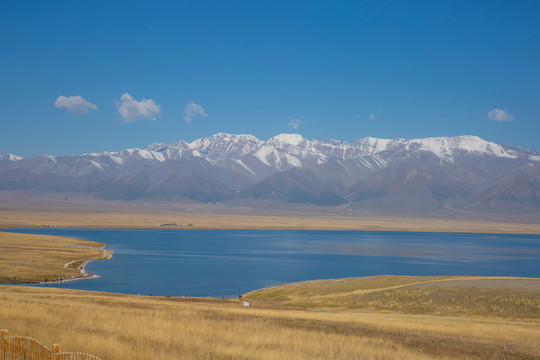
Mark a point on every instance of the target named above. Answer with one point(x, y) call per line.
point(20, 210)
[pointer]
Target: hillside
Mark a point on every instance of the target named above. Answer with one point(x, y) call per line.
point(418, 176)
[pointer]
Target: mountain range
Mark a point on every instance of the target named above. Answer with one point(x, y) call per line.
point(415, 175)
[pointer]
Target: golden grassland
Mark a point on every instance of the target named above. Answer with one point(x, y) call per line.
point(79, 217)
point(447, 295)
point(27, 258)
point(114, 326)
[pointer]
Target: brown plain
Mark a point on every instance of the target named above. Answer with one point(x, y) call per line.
point(14, 216)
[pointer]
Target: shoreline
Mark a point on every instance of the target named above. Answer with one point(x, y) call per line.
point(41, 258)
point(246, 301)
point(107, 254)
point(83, 274)
point(413, 229)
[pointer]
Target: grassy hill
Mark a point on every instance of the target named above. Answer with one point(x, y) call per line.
point(388, 326)
point(33, 258)
point(456, 296)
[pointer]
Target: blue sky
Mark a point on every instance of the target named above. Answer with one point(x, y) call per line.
point(86, 76)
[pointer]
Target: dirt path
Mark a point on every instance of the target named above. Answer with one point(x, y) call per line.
point(507, 283)
point(107, 254)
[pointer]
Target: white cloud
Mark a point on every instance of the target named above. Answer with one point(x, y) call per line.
point(74, 104)
point(500, 115)
point(131, 109)
point(295, 123)
point(193, 110)
point(372, 116)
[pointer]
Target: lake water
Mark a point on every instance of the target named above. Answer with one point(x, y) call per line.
point(230, 262)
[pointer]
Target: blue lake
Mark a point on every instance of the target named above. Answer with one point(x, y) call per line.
point(231, 262)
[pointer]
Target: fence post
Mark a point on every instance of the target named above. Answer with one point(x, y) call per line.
point(3, 343)
point(56, 351)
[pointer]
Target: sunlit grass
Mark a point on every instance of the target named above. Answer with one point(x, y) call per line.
point(25, 257)
point(482, 296)
point(136, 327)
point(390, 326)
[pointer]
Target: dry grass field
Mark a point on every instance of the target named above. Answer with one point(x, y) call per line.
point(13, 216)
point(115, 326)
point(27, 258)
point(505, 297)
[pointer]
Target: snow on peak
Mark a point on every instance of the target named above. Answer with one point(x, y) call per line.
point(228, 137)
point(157, 147)
point(447, 147)
point(372, 146)
point(9, 157)
point(291, 150)
point(221, 146)
point(285, 151)
point(286, 140)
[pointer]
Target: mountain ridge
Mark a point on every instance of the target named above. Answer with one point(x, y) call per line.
point(388, 175)
point(243, 143)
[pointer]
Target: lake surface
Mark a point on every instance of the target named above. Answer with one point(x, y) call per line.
point(230, 262)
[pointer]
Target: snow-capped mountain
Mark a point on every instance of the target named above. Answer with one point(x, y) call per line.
point(225, 146)
point(9, 157)
point(286, 151)
point(463, 171)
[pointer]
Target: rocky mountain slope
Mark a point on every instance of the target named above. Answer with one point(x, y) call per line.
point(419, 175)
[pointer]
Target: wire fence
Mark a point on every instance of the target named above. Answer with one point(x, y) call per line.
point(25, 348)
